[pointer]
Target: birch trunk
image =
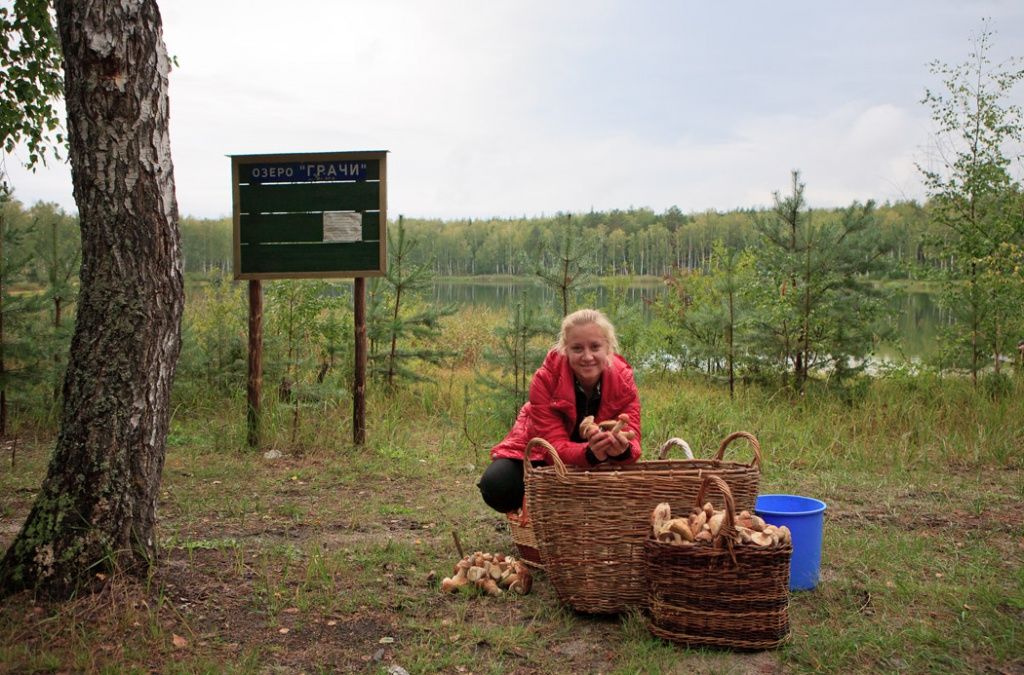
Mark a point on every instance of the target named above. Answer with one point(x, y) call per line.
point(96, 510)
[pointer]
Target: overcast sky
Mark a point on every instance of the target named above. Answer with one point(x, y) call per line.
point(508, 108)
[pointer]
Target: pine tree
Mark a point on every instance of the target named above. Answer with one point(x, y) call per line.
point(518, 355)
point(571, 264)
point(398, 318)
point(813, 308)
point(19, 346)
point(57, 249)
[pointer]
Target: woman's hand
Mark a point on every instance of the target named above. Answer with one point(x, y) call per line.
point(613, 443)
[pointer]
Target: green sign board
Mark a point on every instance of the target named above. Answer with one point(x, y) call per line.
point(314, 215)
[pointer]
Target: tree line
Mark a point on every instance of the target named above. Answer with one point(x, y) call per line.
point(636, 241)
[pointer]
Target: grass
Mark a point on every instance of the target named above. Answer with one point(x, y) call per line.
point(329, 558)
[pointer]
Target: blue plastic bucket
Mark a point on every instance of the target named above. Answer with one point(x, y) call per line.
point(805, 518)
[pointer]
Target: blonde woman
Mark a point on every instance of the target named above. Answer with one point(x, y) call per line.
point(582, 375)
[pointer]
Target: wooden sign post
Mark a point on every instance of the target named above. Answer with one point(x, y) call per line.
point(302, 216)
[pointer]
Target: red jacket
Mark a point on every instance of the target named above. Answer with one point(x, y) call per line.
point(551, 411)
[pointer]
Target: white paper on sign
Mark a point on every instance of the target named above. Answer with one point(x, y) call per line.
point(343, 226)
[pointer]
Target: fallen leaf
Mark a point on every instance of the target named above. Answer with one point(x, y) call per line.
point(938, 575)
point(282, 631)
point(178, 641)
point(292, 610)
point(332, 622)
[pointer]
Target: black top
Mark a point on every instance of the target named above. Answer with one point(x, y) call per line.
point(587, 406)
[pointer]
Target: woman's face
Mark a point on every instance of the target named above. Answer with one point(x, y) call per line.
point(586, 347)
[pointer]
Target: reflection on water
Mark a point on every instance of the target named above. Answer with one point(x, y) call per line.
point(914, 318)
point(916, 321)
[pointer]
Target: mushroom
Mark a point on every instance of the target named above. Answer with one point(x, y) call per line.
point(453, 584)
point(715, 523)
point(587, 427)
point(523, 582)
point(744, 520)
point(488, 586)
point(682, 527)
point(660, 515)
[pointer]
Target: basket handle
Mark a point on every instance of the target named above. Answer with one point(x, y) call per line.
point(723, 487)
point(549, 449)
point(756, 462)
point(667, 445)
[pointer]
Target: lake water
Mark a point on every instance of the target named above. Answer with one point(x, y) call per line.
point(915, 317)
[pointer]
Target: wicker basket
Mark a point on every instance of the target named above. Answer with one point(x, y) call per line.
point(590, 524)
point(523, 538)
point(735, 597)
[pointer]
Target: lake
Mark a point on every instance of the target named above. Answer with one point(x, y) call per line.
point(914, 316)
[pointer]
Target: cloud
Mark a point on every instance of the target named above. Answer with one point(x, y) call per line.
point(512, 108)
point(853, 153)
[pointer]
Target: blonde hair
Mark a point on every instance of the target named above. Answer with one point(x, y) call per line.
point(582, 317)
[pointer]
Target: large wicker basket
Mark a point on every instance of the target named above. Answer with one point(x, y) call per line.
point(735, 597)
point(590, 524)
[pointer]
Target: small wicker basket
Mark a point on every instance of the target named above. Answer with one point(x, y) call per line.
point(523, 537)
point(590, 524)
point(735, 597)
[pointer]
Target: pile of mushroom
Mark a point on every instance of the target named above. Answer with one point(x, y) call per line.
point(704, 526)
point(491, 573)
